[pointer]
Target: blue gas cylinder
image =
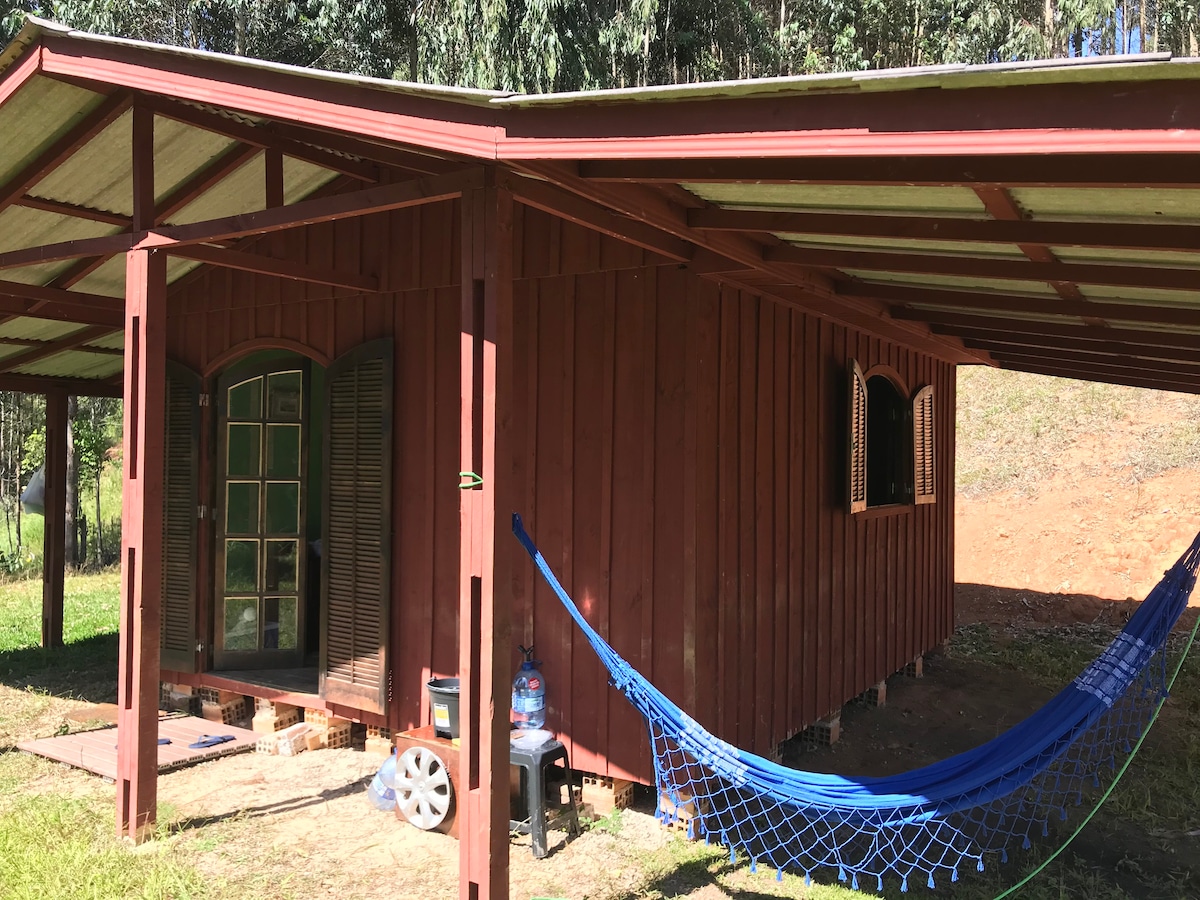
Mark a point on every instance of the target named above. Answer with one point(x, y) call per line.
point(529, 694)
point(382, 792)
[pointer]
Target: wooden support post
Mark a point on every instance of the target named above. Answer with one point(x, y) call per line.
point(141, 508)
point(485, 586)
point(141, 542)
point(54, 557)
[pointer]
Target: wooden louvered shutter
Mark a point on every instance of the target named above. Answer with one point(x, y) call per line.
point(180, 496)
point(857, 477)
point(924, 486)
point(356, 529)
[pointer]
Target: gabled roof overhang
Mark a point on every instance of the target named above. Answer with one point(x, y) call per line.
point(1040, 216)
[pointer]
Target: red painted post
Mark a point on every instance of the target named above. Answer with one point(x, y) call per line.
point(54, 557)
point(141, 542)
point(485, 589)
point(141, 507)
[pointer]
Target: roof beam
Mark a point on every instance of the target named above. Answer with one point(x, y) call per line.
point(109, 110)
point(29, 342)
point(1106, 375)
point(281, 268)
point(548, 198)
point(1072, 348)
point(1015, 303)
point(260, 137)
point(335, 142)
point(84, 301)
point(70, 209)
point(52, 348)
point(979, 267)
point(1100, 361)
point(12, 308)
point(954, 323)
point(75, 387)
point(807, 291)
point(383, 198)
point(1049, 170)
point(1056, 234)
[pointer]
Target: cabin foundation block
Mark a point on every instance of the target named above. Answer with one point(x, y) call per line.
point(915, 669)
point(824, 732)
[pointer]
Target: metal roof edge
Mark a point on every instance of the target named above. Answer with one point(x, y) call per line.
point(1126, 67)
point(34, 28)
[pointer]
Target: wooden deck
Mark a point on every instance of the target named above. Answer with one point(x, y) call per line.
point(96, 751)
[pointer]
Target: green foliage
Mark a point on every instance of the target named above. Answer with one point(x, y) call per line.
point(557, 45)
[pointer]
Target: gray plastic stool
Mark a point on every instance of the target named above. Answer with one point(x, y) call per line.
point(535, 766)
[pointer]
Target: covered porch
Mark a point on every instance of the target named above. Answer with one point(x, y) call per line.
point(1041, 218)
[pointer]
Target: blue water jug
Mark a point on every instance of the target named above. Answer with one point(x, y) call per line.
point(382, 792)
point(529, 693)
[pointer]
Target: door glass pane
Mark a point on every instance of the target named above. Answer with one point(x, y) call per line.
point(279, 623)
point(245, 448)
point(283, 507)
point(279, 572)
point(241, 567)
point(245, 399)
point(283, 396)
point(241, 623)
point(241, 507)
point(283, 451)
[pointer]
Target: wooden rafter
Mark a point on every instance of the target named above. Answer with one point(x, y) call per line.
point(953, 323)
point(979, 267)
point(77, 387)
point(70, 342)
point(335, 142)
point(999, 203)
point(1015, 303)
point(70, 209)
point(548, 198)
point(1072, 348)
point(804, 290)
point(62, 149)
point(1109, 376)
point(83, 301)
point(51, 311)
point(1099, 361)
point(281, 268)
point(1056, 234)
point(306, 212)
point(257, 136)
point(1112, 169)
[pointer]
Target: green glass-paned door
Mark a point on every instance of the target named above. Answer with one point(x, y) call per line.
point(263, 472)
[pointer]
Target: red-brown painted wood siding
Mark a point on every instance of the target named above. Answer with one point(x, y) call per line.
point(681, 462)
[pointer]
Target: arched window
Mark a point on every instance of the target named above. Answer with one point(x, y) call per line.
point(891, 452)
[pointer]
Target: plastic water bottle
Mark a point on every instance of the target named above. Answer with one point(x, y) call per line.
point(529, 693)
point(382, 791)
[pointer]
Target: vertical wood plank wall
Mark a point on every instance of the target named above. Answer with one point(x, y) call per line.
point(681, 464)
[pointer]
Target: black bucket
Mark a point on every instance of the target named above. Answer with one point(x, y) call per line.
point(443, 696)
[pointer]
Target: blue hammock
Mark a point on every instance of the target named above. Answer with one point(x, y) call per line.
point(929, 822)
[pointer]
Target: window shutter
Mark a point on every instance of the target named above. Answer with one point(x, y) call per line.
point(858, 439)
point(923, 451)
point(356, 529)
point(180, 497)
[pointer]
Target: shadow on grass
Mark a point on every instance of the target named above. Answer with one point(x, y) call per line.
point(82, 670)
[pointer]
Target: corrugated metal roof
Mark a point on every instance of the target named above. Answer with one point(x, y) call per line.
point(37, 115)
point(114, 341)
point(74, 364)
point(903, 245)
point(1147, 205)
point(954, 282)
point(931, 201)
point(37, 329)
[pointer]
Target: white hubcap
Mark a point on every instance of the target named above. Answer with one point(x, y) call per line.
point(423, 789)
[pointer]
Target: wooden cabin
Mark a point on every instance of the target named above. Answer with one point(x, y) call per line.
point(702, 338)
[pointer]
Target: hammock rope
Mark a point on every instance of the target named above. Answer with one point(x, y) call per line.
point(929, 823)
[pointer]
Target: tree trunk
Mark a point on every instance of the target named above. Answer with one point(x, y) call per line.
point(71, 528)
point(239, 30)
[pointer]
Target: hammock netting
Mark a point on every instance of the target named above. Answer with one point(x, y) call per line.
point(930, 823)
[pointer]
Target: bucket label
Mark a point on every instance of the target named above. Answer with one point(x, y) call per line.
point(441, 715)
